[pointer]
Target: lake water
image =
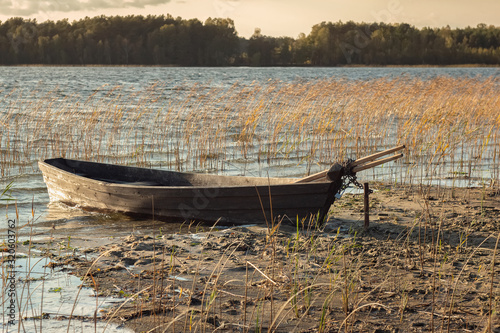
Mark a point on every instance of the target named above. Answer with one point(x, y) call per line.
point(22, 89)
point(62, 297)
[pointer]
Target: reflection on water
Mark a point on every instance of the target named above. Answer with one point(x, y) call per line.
point(65, 220)
point(45, 295)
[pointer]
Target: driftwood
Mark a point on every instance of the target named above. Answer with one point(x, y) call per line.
point(359, 164)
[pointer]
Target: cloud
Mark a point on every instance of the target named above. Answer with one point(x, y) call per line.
point(31, 7)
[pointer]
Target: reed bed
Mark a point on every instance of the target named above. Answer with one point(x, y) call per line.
point(449, 125)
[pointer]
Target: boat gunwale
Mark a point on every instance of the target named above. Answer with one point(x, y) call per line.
point(193, 187)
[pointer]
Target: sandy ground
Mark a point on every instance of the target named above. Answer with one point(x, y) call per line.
point(425, 264)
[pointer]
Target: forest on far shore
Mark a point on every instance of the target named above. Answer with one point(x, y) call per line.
point(165, 40)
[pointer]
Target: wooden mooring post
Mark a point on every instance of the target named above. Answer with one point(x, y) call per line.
point(366, 189)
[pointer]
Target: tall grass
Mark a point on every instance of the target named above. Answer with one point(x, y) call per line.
point(450, 126)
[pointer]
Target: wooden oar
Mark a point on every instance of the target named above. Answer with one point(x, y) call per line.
point(359, 163)
point(375, 163)
point(313, 177)
point(376, 155)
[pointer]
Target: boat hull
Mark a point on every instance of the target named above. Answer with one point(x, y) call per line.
point(181, 196)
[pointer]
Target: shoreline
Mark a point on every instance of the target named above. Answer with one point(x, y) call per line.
point(260, 67)
point(426, 257)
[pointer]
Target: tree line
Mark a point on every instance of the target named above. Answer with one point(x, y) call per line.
point(165, 40)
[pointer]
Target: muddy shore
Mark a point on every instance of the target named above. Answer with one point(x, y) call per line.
point(428, 262)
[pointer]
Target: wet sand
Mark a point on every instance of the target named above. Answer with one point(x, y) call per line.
point(425, 264)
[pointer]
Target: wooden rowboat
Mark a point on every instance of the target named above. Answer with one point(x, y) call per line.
point(183, 196)
point(187, 196)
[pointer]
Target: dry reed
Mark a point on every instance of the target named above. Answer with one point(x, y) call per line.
point(449, 125)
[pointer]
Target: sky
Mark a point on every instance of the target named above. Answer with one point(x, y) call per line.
point(274, 17)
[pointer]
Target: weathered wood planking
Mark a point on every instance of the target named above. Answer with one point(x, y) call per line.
point(182, 196)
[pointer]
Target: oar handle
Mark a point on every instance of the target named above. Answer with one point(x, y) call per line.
point(376, 155)
point(375, 163)
point(359, 164)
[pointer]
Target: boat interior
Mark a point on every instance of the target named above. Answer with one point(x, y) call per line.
point(127, 175)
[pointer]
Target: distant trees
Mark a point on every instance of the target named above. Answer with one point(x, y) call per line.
point(402, 44)
point(151, 40)
point(165, 40)
point(269, 51)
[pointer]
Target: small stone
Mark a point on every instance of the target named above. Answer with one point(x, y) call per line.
point(128, 261)
point(130, 239)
